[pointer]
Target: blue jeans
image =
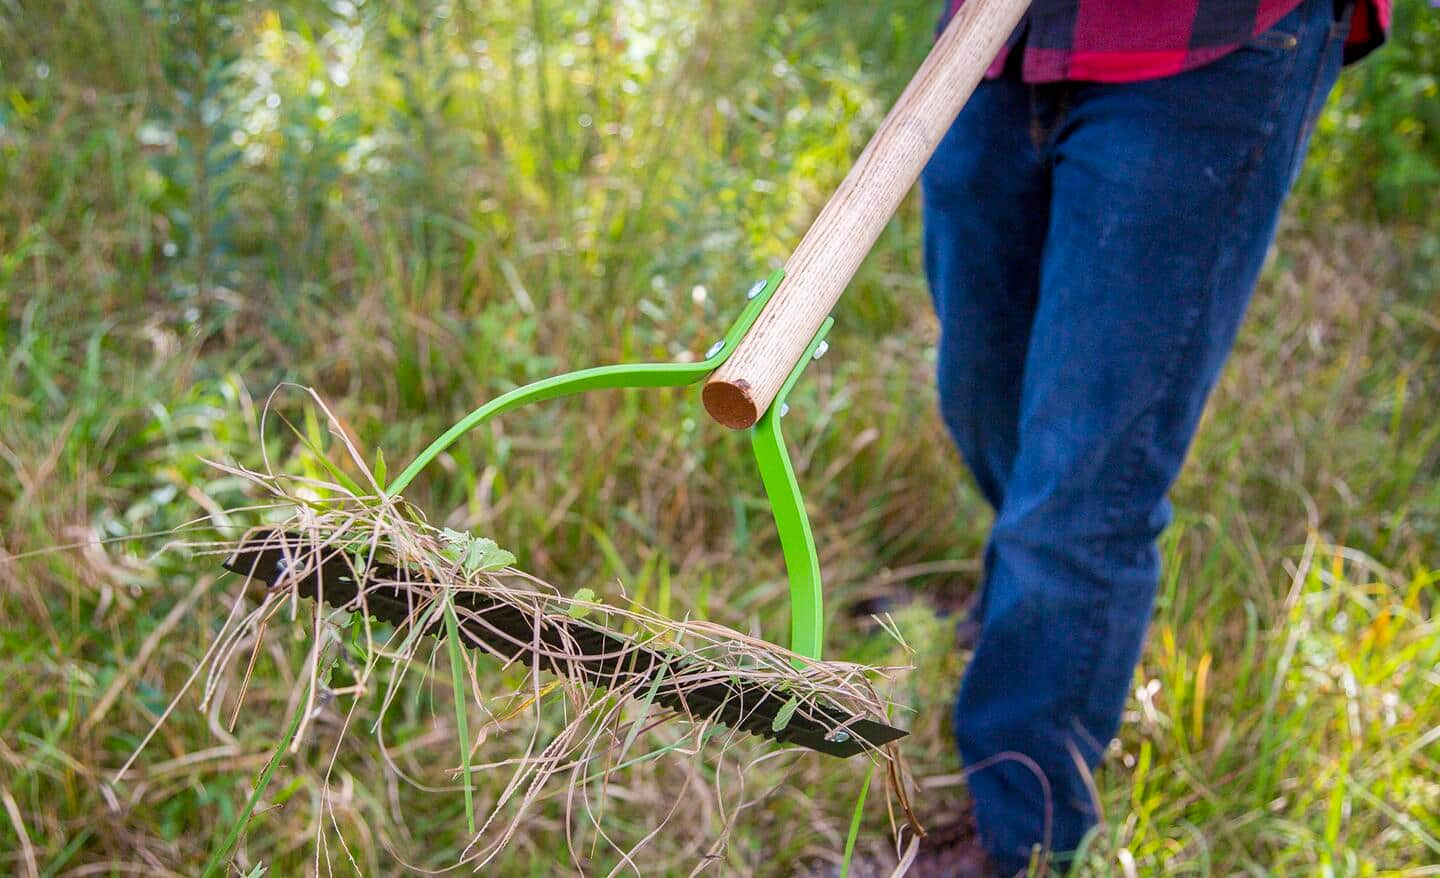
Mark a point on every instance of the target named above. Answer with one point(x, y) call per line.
point(1091, 249)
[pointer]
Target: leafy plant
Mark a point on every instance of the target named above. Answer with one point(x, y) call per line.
point(1376, 149)
point(474, 555)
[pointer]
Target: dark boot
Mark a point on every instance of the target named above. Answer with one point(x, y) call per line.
point(953, 851)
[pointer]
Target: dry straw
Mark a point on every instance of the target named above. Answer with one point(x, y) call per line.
point(538, 735)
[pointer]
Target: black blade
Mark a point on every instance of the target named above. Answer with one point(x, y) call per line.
point(564, 646)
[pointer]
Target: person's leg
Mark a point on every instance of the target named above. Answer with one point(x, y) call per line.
point(985, 200)
point(1165, 200)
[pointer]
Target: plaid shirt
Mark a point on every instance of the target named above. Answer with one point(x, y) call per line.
point(1129, 40)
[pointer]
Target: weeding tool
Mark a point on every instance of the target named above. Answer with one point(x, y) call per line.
point(750, 372)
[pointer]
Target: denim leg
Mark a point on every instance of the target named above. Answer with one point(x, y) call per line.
point(1165, 197)
point(986, 203)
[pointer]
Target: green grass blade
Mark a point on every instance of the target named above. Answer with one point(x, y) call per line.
point(645, 707)
point(855, 822)
point(462, 726)
point(232, 838)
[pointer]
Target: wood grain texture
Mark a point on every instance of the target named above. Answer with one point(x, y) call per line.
point(842, 235)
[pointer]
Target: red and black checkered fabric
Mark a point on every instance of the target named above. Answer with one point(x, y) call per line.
point(1130, 40)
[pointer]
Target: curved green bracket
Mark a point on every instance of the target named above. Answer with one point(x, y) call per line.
point(598, 378)
point(797, 541)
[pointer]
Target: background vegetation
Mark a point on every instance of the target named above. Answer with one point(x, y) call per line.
point(414, 206)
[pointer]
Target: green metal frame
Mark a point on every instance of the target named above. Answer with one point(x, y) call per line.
point(797, 542)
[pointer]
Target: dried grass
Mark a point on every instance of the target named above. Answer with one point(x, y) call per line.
point(540, 736)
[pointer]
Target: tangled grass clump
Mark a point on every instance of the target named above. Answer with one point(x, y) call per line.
point(529, 731)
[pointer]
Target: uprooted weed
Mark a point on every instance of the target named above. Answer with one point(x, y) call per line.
point(547, 744)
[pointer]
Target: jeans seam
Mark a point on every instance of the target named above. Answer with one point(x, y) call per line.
point(1338, 31)
point(1245, 175)
point(1125, 483)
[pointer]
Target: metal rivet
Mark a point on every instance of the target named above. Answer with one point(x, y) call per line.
point(784, 409)
point(840, 736)
point(756, 288)
point(821, 348)
point(714, 349)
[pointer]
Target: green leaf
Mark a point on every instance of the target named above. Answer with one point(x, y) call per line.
point(483, 556)
point(453, 544)
point(578, 609)
point(473, 554)
point(380, 468)
point(783, 715)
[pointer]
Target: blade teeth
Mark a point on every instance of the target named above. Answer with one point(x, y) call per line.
point(742, 707)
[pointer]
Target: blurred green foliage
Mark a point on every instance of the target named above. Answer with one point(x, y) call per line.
point(1375, 153)
point(416, 205)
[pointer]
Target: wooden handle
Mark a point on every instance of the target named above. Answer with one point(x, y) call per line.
point(842, 235)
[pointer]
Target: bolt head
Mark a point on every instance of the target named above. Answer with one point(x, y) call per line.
point(840, 736)
point(714, 349)
point(821, 348)
point(755, 289)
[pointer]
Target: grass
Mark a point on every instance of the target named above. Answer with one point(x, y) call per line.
point(415, 211)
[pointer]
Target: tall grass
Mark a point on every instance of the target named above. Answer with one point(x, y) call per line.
point(415, 207)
